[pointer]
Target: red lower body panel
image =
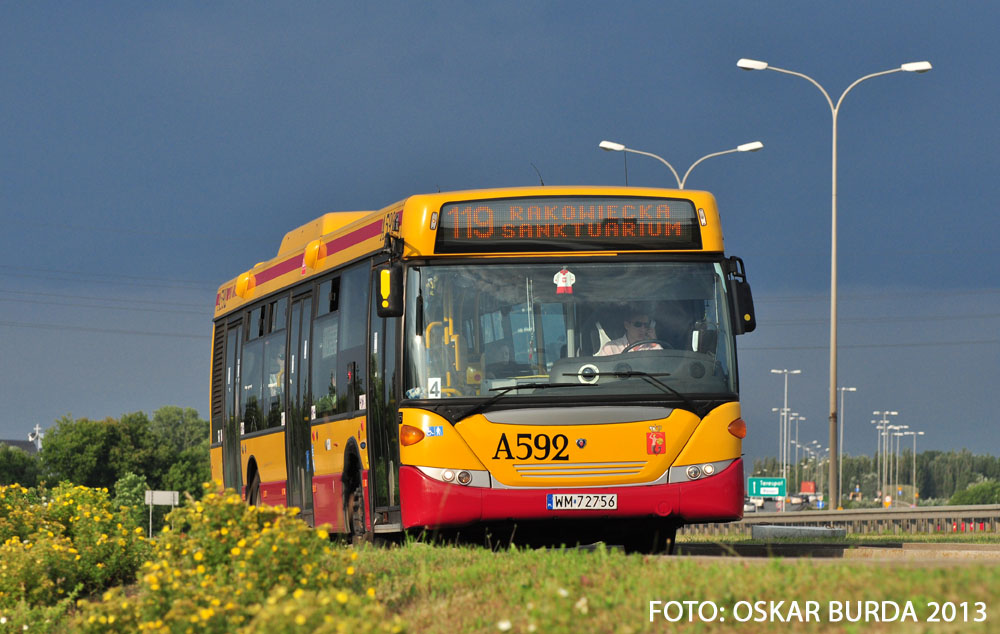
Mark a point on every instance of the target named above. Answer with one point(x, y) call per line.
point(427, 502)
point(328, 499)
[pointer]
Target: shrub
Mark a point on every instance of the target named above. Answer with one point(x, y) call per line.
point(62, 544)
point(221, 565)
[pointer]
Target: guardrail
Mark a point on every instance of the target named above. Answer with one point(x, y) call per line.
point(928, 519)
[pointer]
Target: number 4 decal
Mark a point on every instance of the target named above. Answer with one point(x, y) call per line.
point(434, 387)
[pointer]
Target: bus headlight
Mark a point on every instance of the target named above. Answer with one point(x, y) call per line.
point(464, 477)
point(689, 473)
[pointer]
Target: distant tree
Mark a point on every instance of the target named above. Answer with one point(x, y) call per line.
point(17, 466)
point(986, 492)
point(179, 428)
point(134, 449)
point(79, 451)
point(185, 437)
point(169, 452)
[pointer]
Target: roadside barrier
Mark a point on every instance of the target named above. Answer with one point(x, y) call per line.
point(918, 520)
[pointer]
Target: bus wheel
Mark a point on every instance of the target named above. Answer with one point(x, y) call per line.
point(253, 491)
point(355, 515)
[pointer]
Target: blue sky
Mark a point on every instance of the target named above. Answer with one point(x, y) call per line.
point(151, 151)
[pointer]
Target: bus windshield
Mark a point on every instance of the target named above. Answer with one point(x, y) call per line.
point(651, 328)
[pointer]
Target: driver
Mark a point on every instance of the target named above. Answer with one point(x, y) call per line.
point(638, 327)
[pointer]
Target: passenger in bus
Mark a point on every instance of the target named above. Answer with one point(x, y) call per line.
point(639, 327)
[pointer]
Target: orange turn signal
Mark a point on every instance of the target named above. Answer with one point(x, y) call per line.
point(409, 435)
point(738, 428)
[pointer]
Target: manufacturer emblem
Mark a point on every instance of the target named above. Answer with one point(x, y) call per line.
point(581, 442)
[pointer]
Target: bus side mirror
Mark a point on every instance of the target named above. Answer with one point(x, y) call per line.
point(744, 319)
point(390, 290)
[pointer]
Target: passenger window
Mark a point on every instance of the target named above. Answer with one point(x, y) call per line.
point(252, 388)
point(324, 364)
point(352, 358)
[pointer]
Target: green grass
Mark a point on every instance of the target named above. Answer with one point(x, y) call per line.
point(462, 589)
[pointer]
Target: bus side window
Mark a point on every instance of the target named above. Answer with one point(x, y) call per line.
point(324, 364)
point(251, 375)
point(352, 366)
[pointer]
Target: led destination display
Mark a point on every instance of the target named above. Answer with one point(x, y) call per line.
point(567, 224)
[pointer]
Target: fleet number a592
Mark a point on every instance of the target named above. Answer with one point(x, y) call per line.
point(532, 446)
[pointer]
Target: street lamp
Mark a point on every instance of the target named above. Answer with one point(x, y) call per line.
point(884, 426)
point(840, 445)
point(796, 417)
point(894, 473)
point(611, 146)
point(783, 432)
point(910, 67)
point(913, 479)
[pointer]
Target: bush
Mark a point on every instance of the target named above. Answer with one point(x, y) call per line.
point(222, 566)
point(59, 545)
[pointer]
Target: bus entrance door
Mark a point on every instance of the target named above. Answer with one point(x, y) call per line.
point(383, 428)
point(232, 474)
point(298, 442)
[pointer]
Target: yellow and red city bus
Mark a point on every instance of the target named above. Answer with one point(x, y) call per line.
point(461, 358)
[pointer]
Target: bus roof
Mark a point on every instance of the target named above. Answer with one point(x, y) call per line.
point(339, 237)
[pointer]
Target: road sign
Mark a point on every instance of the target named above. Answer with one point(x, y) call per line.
point(766, 487)
point(164, 498)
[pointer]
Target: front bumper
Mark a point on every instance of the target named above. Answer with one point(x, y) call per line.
point(429, 503)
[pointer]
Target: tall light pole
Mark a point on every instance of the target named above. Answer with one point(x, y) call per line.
point(910, 67)
point(878, 455)
point(913, 477)
point(840, 445)
point(894, 470)
point(899, 440)
point(784, 411)
point(795, 416)
point(884, 438)
point(781, 432)
point(611, 146)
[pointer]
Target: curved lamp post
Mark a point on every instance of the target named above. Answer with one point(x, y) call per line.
point(910, 67)
point(611, 146)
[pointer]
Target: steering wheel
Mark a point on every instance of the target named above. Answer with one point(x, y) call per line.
point(662, 344)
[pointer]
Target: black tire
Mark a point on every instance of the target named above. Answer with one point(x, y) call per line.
point(354, 513)
point(253, 491)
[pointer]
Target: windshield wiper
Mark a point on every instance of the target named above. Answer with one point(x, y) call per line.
point(648, 377)
point(502, 391)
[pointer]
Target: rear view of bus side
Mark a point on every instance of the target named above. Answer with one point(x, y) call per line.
point(557, 359)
